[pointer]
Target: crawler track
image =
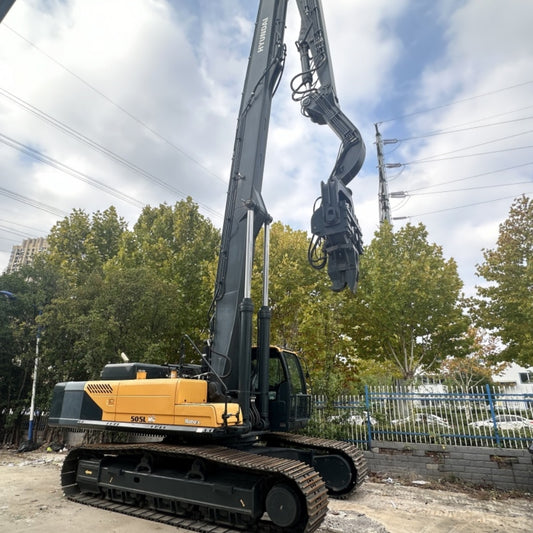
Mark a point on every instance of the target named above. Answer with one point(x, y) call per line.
point(352, 454)
point(303, 480)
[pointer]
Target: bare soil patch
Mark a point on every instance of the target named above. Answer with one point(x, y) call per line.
point(31, 500)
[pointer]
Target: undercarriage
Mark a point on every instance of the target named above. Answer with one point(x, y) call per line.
point(280, 483)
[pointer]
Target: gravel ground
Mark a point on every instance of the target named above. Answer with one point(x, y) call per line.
point(31, 500)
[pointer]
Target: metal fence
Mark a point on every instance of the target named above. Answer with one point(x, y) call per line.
point(485, 417)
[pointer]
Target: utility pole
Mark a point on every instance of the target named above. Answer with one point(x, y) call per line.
point(34, 384)
point(383, 191)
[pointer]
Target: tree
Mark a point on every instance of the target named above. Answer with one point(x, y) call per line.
point(79, 244)
point(292, 282)
point(79, 247)
point(505, 305)
point(476, 368)
point(13, 377)
point(305, 312)
point(408, 308)
point(33, 287)
point(135, 291)
point(180, 246)
point(128, 310)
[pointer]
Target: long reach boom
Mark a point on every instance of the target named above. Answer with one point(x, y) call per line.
point(337, 239)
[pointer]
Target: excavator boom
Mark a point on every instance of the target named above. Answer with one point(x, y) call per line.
point(337, 241)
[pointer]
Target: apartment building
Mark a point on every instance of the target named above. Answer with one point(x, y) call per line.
point(23, 254)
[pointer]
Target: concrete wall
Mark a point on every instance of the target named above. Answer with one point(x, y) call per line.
point(505, 469)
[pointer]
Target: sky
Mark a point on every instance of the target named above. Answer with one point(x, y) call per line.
point(134, 102)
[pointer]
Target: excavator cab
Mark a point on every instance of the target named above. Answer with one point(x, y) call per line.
point(289, 404)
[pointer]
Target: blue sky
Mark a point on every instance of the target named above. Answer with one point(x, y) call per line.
point(158, 84)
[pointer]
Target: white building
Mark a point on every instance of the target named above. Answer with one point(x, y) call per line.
point(516, 379)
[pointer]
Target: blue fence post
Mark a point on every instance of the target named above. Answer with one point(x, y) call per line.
point(368, 423)
point(493, 415)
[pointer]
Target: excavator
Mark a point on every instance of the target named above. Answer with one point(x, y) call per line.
point(229, 456)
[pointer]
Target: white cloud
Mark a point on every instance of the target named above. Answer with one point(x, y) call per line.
point(178, 67)
point(363, 46)
point(488, 48)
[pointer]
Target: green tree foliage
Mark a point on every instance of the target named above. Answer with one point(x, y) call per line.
point(80, 244)
point(180, 246)
point(131, 311)
point(135, 291)
point(291, 282)
point(408, 309)
point(104, 289)
point(505, 305)
point(306, 314)
point(20, 322)
point(13, 377)
point(79, 247)
point(175, 240)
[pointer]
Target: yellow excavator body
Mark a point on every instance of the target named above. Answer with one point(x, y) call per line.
point(169, 401)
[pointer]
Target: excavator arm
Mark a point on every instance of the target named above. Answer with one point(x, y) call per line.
point(245, 212)
point(337, 237)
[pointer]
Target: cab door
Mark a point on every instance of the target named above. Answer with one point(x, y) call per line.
point(289, 403)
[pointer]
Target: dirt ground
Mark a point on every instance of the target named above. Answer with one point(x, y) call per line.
point(31, 500)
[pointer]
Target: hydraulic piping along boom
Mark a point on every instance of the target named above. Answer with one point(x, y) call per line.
point(263, 335)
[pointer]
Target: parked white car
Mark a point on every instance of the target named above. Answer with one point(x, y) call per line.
point(360, 420)
point(421, 418)
point(504, 422)
point(356, 420)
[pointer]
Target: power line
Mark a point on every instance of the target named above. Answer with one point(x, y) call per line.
point(447, 131)
point(98, 147)
point(474, 176)
point(507, 137)
point(450, 129)
point(454, 102)
point(33, 203)
point(15, 232)
point(54, 163)
point(469, 188)
point(429, 160)
point(154, 132)
point(495, 115)
point(20, 225)
point(464, 206)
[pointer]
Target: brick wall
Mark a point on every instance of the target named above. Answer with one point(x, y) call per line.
point(505, 469)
